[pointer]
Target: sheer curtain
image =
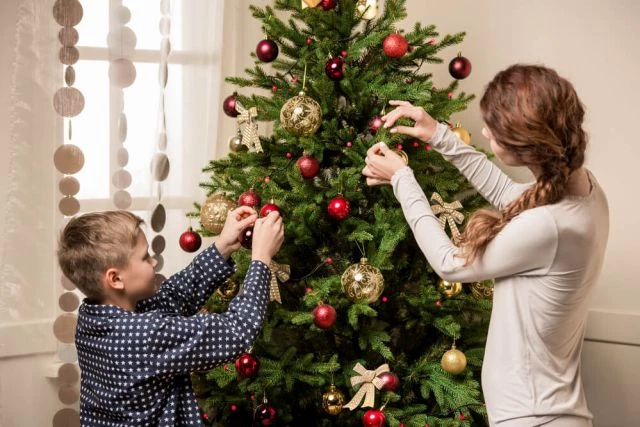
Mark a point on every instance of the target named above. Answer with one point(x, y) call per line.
point(31, 131)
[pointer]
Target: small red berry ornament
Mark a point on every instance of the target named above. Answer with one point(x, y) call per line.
point(460, 67)
point(391, 381)
point(328, 4)
point(309, 166)
point(375, 124)
point(229, 105)
point(249, 198)
point(190, 241)
point(268, 208)
point(373, 418)
point(395, 46)
point(246, 237)
point(267, 50)
point(335, 68)
point(265, 415)
point(324, 316)
point(339, 208)
point(247, 365)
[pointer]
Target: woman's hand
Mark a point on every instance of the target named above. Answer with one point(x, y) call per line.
point(424, 127)
point(382, 163)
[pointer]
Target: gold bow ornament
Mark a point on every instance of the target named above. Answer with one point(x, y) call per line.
point(370, 382)
point(249, 127)
point(280, 272)
point(448, 214)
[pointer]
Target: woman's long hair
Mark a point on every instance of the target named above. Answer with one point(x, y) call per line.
point(536, 115)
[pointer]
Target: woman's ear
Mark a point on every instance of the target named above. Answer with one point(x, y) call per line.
point(113, 280)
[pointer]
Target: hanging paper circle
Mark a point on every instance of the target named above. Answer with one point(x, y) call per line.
point(122, 72)
point(68, 159)
point(68, 102)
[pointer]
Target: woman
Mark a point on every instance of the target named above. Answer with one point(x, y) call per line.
point(543, 244)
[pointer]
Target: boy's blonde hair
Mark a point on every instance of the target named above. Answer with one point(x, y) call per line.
point(94, 242)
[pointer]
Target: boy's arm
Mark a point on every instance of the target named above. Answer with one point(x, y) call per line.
point(181, 344)
point(187, 291)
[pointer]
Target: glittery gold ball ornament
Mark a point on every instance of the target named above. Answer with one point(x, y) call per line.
point(228, 289)
point(362, 281)
point(213, 212)
point(462, 133)
point(332, 400)
point(449, 289)
point(301, 115)
point(454, 361)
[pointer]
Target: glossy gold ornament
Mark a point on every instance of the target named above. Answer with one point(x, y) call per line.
point(332, 400)
point(301, 115)
point(362, 282)
point(228, 289)
point(402, 154)
point(454, 361)
point(462, 133)
point(213, 212)
point(449, 289)
point(235, 143)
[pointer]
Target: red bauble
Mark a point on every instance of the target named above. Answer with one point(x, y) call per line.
point(375, 124)
point(247, 365)
point(391, 381)
point(373, 418)
point(249, 198)
point(229, 105)
point(328, 4)
point(459, 67)
point(267, 50)
point(264, 415)
point(309, 166)
point(339, 208)
point(246, 237)
point(190, 241)
point(395, 46)
point(335, 68)
point(268, 208)
point(324, 316)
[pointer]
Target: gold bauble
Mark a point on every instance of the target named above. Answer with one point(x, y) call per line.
point(462, 133)
point(301, 115)
point(213, 213)
point(449, 289)
point(332, 400)
point(454, 361)
point(228, 289)
point(235, 143)
point(362, 282)
point(482, 291)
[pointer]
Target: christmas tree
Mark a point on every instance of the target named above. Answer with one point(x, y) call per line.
point(360, 331)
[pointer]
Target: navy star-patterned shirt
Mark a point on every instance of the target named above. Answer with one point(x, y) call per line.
point(135, 365)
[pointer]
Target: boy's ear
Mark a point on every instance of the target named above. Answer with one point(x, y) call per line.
point(113, 279)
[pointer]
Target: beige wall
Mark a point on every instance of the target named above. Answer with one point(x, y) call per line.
point(594, 44)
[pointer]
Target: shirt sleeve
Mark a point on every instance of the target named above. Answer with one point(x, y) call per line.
point(179, 344)
point(525, 246)
point(187, 291)
point(494, 185)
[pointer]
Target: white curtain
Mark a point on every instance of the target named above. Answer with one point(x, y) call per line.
point(31, 131)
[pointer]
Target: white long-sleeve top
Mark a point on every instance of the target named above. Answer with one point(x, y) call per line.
point(545, 262)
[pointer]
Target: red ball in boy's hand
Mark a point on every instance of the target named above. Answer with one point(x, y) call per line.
point(190, 241)
point(246, 237)
point(268, 208)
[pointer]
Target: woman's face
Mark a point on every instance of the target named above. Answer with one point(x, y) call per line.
point(507, 157)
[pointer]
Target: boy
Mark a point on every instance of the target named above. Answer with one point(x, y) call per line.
point(136, 343)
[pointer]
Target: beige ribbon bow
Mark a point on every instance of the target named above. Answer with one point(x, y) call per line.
point(448, 215)
point(249, 127)
point(370, 382)
point(280, 272)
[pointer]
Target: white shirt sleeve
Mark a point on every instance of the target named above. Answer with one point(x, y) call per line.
point(525, 246)
point(484, 175)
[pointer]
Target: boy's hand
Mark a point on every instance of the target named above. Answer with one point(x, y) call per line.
point(237, 220)
point(268, 235)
